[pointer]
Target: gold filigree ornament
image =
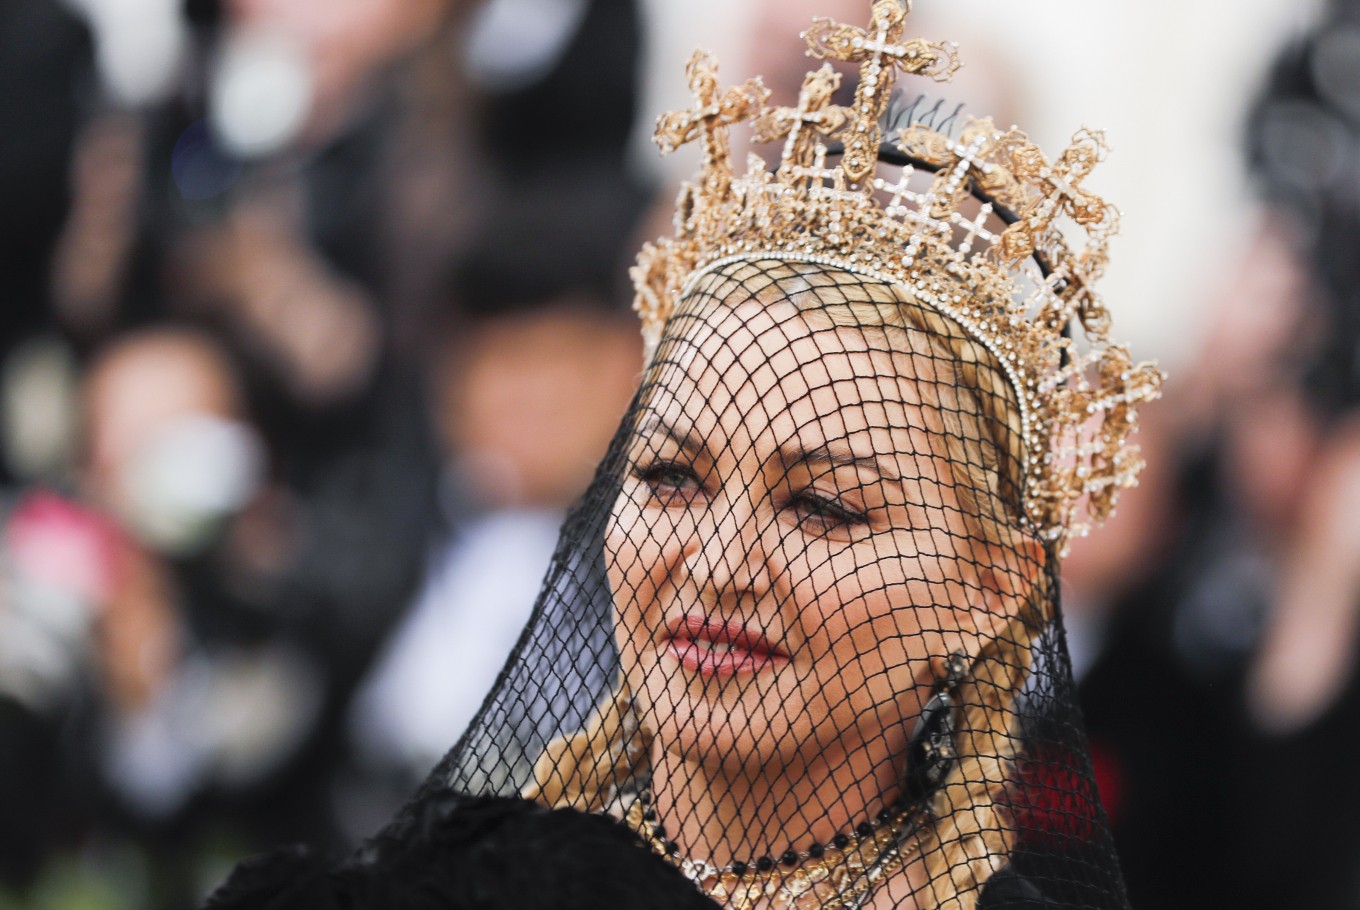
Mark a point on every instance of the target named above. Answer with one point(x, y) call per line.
point(982, 227)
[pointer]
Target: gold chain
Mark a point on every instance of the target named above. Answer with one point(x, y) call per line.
point(839, 879)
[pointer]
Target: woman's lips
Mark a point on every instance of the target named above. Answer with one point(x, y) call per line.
point(712, 647)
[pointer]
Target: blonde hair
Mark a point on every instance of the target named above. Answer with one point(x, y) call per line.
point(977, 416)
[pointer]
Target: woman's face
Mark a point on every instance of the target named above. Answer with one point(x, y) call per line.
point(789, 563)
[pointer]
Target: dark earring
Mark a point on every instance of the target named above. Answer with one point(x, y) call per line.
point(931, 749)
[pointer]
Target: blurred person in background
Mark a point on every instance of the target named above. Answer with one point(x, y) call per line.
point(104, 637)
point(46, 62)
point(263, 197)
point(536, 355)
point(189, 592)
point(514, 313)
point(176, 649)
point(1223, 704)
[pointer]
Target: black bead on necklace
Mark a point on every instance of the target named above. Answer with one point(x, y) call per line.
point(790, 858)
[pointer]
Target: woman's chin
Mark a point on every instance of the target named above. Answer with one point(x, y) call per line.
point(723, 728)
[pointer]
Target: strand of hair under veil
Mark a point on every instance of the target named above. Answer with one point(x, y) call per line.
point(969, 838)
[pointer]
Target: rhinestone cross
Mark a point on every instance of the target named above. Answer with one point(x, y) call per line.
point(899, 189)
point(1062, 179)
point(881, 53)
point(805, 126)
point(818, 173)
point(712, 114)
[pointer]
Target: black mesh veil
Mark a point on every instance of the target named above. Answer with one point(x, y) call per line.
point(798, 634)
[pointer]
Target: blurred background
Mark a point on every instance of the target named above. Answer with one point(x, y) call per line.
point(314, 320)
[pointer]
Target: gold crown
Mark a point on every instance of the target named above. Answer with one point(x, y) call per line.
point(970, 226)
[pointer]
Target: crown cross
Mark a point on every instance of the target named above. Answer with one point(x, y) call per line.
point(972, 156)
point(966, 158)
point(817, 173)
point(899, 190)
point(1062, 192)
point(881, 52)
point(917, 215)
point(814, 119)
point(975, 228)
point(714, 112)
point(923, 227)
point(1042, 295)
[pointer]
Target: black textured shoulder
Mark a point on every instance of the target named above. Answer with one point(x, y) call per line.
point(1008, 890)
point(486, 853)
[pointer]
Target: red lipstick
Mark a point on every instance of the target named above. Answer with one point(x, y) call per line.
point(721, 649)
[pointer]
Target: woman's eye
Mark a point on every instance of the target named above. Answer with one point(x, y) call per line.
point(827, 513)
point(667, 479)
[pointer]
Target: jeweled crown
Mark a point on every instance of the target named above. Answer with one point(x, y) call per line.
point(973, 226)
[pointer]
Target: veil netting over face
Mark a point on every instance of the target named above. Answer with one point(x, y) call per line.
point(797, 634)
point(802, 634)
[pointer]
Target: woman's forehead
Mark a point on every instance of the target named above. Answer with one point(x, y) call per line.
point(769, 374)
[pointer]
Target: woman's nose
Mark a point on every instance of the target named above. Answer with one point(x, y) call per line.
point(728, 559)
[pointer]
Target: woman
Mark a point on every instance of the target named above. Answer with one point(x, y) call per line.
point(802, 635)
point(809, 539)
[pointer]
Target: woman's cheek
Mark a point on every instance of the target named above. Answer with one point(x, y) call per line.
point(627, 557)
point(645, 547)
point(850, 587)
point(886, 624)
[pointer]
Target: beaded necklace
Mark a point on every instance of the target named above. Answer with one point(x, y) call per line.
point(828, 876)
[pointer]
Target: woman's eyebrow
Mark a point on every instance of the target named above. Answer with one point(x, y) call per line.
point(654, 424)
point(837, 456)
